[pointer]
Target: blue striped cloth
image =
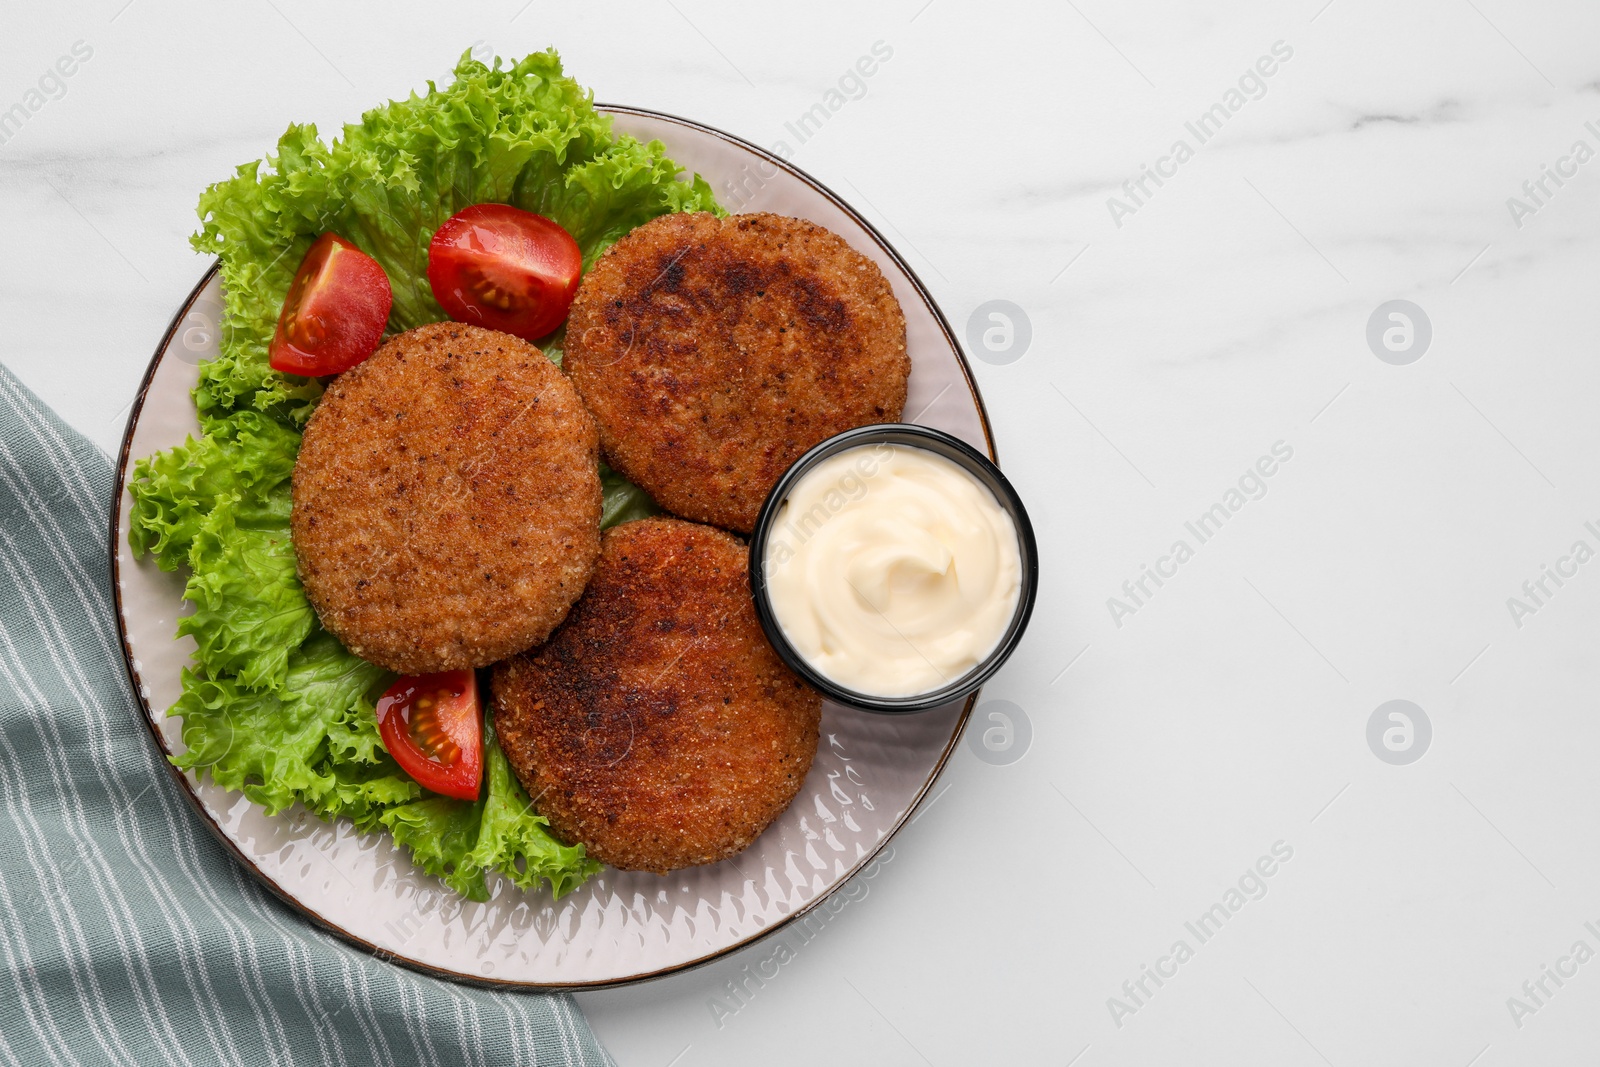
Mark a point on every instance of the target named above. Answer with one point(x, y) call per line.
point(127, 935)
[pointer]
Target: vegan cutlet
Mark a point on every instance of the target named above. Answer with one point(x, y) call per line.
point(714, 351)
point(657, 726)
point(446, 502)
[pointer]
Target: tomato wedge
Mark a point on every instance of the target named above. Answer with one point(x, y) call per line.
point(497, 266)
point(334, 314)
point(432, 726)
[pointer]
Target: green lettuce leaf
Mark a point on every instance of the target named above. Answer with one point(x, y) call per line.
point(460, 842)
point(222, 504)
point(314, 742)
point(525, 135)
point(243, 457)
point(621, 501)
point(250, 610)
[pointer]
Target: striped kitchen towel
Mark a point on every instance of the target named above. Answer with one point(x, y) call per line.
point(127, 935)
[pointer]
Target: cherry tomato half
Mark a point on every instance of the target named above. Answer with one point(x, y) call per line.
point(497, 266)
point(432, 726)
point(334, 314)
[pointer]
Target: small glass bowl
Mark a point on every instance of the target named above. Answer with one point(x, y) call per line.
point(987, 475)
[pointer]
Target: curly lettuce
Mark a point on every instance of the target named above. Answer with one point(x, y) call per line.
point(244, 457)
point(459, 842)
point(221, 505)
point(526, 135)
point(274, 706)
point(312, 741)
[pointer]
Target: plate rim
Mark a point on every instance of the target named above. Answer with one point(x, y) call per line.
point(304, 909)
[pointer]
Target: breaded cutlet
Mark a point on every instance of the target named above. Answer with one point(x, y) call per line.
point(713, 352)
point(657, 726)
point(446, 504)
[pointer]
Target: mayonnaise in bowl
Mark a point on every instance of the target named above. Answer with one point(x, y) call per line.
point(891, 570)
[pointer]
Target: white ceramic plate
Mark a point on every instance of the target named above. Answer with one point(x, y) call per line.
point(870, 770)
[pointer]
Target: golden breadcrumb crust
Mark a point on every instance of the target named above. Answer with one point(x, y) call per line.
point(713, 352)
point(446, 500)
point(657, 726)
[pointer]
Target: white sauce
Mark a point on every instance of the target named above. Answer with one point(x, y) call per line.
point(892, 570)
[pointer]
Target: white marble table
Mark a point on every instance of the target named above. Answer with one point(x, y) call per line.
point(1180, 333)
